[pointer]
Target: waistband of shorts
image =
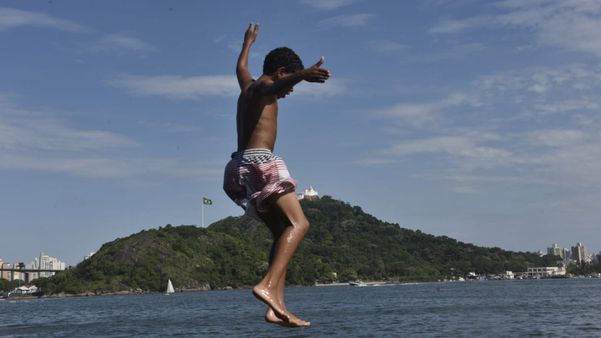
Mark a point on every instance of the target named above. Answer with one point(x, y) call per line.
point(252, 152)
point(254, 156)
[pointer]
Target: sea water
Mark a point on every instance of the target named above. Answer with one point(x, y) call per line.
point(543, 308)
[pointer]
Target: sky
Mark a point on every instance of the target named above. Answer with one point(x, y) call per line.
point(478, 120)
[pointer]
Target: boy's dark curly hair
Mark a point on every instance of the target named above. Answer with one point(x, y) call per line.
point(282, 57)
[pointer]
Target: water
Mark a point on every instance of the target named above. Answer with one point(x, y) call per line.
point(539, 308)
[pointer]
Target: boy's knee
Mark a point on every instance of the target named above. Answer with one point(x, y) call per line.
point(302, 224)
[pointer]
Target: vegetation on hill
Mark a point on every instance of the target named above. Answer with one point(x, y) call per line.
point(343, 243)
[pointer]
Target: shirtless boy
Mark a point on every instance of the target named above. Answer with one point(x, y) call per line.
point(258, 180)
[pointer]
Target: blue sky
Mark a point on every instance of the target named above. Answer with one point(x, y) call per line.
point(477, 120)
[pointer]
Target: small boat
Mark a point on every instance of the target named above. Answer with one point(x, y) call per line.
point(170, 288)
point(357, 283)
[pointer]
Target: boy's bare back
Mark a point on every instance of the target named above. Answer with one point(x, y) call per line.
point(256, 119)
point(257, 111)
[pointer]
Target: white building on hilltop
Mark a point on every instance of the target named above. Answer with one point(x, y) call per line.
point(309, 194)
point(88, 256)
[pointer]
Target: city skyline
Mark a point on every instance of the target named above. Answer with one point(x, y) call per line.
point(41, 262)
point(478, 120)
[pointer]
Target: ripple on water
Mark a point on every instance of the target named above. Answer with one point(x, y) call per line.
point(563, 308)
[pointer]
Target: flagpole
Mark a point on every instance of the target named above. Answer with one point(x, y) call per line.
point(203, 213)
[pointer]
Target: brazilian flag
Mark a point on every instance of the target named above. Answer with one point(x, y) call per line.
point(207, 201)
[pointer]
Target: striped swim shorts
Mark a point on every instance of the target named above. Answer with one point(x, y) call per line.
point(253, 176)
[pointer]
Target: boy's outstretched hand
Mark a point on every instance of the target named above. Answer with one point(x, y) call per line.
point(251, 33)
point(315, 73)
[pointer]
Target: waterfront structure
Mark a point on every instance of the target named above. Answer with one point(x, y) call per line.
point(579, 254)
point(309, 194)
point(546, 272)
point(24, 290)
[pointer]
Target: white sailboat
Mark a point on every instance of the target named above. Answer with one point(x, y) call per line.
point(170, 288)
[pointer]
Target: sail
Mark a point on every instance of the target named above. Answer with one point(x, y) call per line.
point(170, 288)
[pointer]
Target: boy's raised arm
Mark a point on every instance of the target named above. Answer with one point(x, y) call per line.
point(244, 76)
point(312, 74)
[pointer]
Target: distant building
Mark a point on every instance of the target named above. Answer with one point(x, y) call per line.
point(5, 274)
point(309, 194)
point(597, 258)
point(546, 272)
point(579, 254)
point(555, 250)
point(567, 255)
point(45, 262)
point(16, 274)
point(509, 275)
point(88, 256)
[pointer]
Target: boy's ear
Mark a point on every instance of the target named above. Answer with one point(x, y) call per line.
point(280, 72)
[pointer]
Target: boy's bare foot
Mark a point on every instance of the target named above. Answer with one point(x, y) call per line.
point(294, 320)
point(270, 317)
point(268, 297)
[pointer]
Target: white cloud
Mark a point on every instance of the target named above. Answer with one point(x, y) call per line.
point(557, 137)
point(468, 180)
point(170, 126)
point(11, 18)
point(581, 104)
point(465, 190)
point(121, 42)
point(533, 126)
point(41, 141)
point(352, 20)
point(30, 130)
point(461, 147)
point(385, 46)
point(332, 87)
point(449, 26)
point(571, 25)
point(179, 87)
point(197, 87)
point(576, 77)
point(327, 4)
point(420, 114)
point(573, 164)
point(110, 167)
point(457, 52)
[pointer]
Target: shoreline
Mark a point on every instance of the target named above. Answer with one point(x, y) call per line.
point(227, 288)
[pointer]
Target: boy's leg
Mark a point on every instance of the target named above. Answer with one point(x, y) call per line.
point(276, 224)
point(286, 245)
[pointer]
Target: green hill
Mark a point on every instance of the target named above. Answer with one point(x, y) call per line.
point(233, 252)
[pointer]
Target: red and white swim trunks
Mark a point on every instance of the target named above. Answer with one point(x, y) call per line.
point(254, 175)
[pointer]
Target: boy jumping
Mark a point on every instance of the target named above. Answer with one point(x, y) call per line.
point(256, 179)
